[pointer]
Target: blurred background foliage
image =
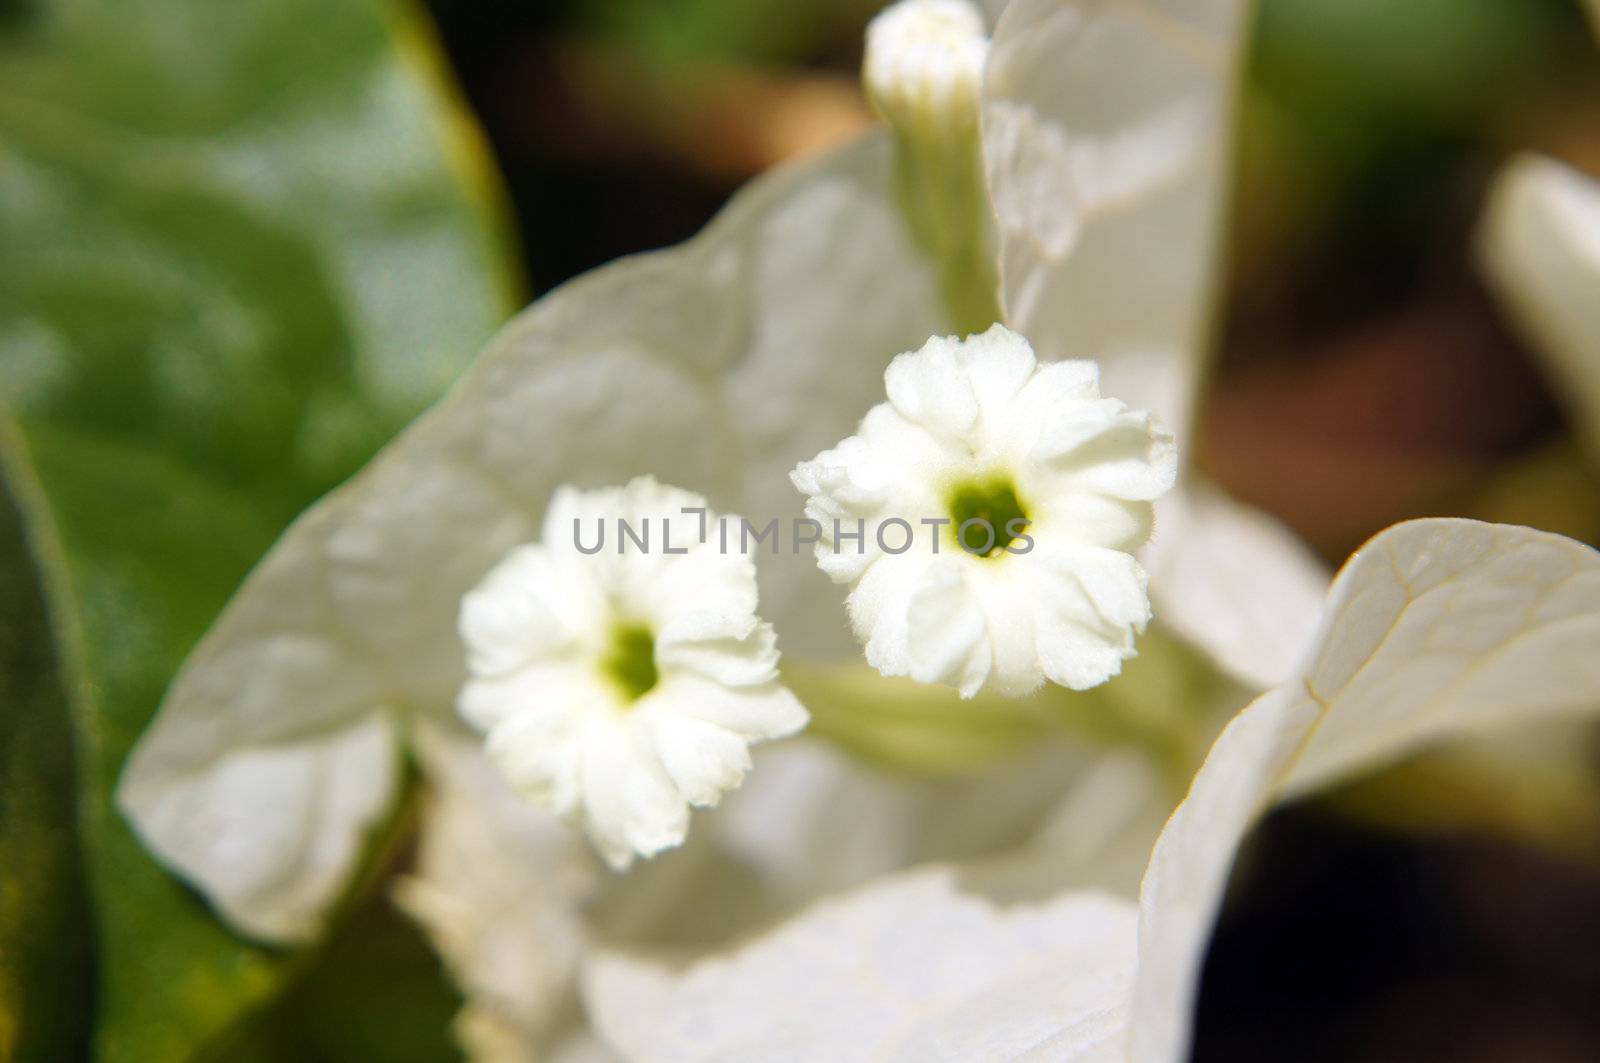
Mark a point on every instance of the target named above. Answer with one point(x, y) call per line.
point(241, 244)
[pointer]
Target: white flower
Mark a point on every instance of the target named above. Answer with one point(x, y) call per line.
point(923, 69)
point(620, 686)
point(1000, 500)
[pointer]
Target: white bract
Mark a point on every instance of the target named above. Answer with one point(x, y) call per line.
point(1540, 245)
point(620, 686)
point(1105, 141)
point(985, 517)
point(1435, 628)
point(500, 883)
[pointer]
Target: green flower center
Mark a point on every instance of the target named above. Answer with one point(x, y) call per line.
point(632, 661)
point(994, 503)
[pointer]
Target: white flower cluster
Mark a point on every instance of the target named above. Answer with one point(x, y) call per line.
point(1066, 177)
point(620, 686)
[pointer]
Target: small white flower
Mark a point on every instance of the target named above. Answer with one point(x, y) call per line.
point(622, 686)
point(976, 433)
point(923, 69)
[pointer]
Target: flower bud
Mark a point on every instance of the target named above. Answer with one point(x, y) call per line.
point(924, 69)
point(924, 75)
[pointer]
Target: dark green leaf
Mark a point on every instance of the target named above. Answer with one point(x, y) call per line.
point(240, 245)
point(44, 914)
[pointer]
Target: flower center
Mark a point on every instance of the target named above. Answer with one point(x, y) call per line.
point(631, 663)
point(993, 504)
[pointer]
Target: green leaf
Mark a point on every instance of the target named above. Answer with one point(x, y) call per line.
point(236, 254)
point(44, 940)
point(376, 992)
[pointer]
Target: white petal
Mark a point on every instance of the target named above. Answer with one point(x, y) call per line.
point(1540, 245)
point(629, 804)
point(549, 688)
point(906, 969)
point(1106, 448)
point(705, 582)
point(929, 388)
point(843, 481)
point(539, 752)
point(1434, 628)
point(733, 655)
point(531, 604)
point(755, 713)
point(879, 607)
point(1096, 519)
point(947, 633)
point(1091, 602)
point(1058, 386)
point(702, 759)
point(997, 363)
